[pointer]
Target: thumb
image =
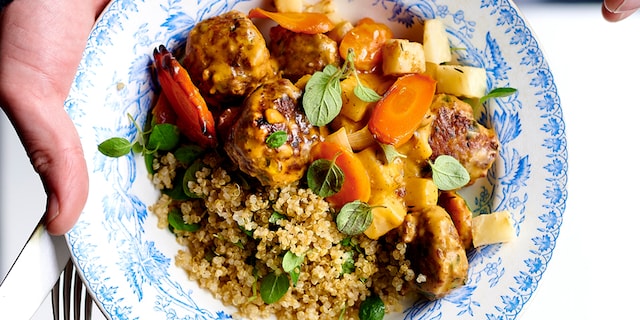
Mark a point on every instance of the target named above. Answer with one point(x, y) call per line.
point(53, 145)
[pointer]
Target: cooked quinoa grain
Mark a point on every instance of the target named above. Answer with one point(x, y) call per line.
point(245, 232)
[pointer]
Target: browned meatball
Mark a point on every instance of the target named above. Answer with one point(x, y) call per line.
point(460, 214)
point(455, 132)
point(272, 107)
point(299, 54)
point(434, 249)
point(227, 56)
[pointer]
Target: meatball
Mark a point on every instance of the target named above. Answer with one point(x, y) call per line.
point(299, 54)
point(227, 56)
point(435, 251)
point(455, 132)
point(272, 107)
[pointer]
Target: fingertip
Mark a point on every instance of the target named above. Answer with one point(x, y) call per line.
point(614, 16)
point(66, 200)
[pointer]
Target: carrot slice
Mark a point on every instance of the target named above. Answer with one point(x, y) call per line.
point(302, 22)
point(162, 111)
point(366, 39)
point(357, 185)
point(398, 114)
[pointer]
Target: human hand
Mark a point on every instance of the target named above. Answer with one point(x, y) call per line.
point(616, 10)
point(41, 45)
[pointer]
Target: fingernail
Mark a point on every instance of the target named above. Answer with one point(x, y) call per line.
point(53, 208)
point(614, 6)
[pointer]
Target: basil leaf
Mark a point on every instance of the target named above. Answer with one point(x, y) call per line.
point(325, 178)
point(354, 218)
point(322, 99)
point(448, 173)
point(164, 136)
point(115, 147)
point(277, 139)
point(273, 287)
point(187, 154)
point(372, 308)
point(190, 175)
point(177, 222)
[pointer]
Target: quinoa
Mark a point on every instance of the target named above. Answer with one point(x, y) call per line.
point(239, 242)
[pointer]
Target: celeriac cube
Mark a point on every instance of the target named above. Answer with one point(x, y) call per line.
point(435, 42)
point(492, 228)
point(401, 56)
point(388, 214)
point(461, 81)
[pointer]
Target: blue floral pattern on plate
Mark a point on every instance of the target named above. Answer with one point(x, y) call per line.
point(127, 262)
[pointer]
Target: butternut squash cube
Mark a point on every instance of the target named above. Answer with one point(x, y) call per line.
point(388, 214)
point(421, 193)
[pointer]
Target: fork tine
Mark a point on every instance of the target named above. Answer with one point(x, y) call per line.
point(77, 294)
point(88, 304)
point(55, 300)
point(66, 289)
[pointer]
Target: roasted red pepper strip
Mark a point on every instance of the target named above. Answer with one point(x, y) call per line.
point(398, 114)
point(195, 120)
point(302, 22)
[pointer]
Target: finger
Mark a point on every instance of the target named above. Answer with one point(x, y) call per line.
point(617, 10)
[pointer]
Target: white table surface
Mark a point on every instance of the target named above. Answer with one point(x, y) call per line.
point(592, 274)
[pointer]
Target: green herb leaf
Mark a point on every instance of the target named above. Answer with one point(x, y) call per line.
point(448, 173)
point(371, 308)
point(115, 147)
point(325, 178)
point(273, 287)
point(290, 261)
point(190, 175)
point(164, 136)
point(365, 93)
point(276, 216)
point(498, 93)
point(177, 222)
point(187, 154)
point(349, 264)
point(390, 152)
point(322, 99)
point(354, 218)
point(291, 264)
point(277, 139)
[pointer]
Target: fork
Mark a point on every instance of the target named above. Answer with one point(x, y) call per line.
point(73, 293)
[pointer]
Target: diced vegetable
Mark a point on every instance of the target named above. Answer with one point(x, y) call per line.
point(460, 213)
point(462, 81)
point(366, 39)
point(420, 193)
point(435, 42)
point(385, 177)
point(360, 139)
point(388, 213)
point(356, 180)
point(492, 228)
point(352, 106)
point(289, 5)
point(400, 111)
point(340, 31)
point(401, 56)
point(303, 22)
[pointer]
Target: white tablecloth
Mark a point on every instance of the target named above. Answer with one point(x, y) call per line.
point(592, 274)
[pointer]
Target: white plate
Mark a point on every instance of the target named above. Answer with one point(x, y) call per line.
point(127, 262)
